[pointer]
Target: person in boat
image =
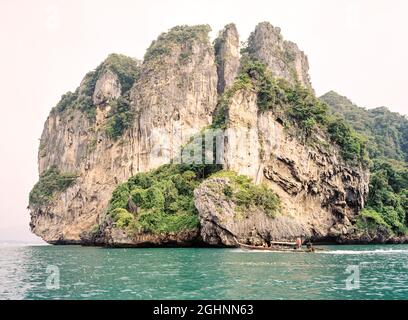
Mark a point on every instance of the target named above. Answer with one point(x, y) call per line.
point(298, 243)
point(310, 247)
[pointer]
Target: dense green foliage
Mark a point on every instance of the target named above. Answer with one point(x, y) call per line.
point(388, 197)
point(248, 196)
point(67, 100)
point(120, 118)
point(386, 134)
point(50, 183)
point(160, 201)
point(372, 222)
point(75, 100)
point(85, 104)
point(298, 103)
point(352, 144)
point(182, 35)
point(124, 67)
point(386, 131)
point(306, 108)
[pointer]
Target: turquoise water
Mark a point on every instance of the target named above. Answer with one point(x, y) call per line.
point(99, 273)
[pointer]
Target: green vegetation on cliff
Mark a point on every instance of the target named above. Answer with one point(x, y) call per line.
point(181, 35)
point(50, 183)
point(162, 200)
point(126, 68)
point(386, 133)
point(67, 100)
point(120, 117)
point(387, 204)
point(248, 196)
point(351, 143)
point(159, 201)
point(127, 71)
point(297, 103)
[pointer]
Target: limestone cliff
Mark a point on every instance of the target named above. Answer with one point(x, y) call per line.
point(320, 194)
point(129, 117)
point(227, 56)
point(283, 57)
point(175, 91)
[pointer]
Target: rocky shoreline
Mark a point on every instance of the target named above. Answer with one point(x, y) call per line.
point(172, 242)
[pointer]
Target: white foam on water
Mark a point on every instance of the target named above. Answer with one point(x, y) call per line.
point(240, 250)
point(359, 252)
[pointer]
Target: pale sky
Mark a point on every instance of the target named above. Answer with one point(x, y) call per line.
point(356, 47)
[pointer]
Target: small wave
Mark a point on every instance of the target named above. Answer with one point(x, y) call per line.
point(358, 252)
point(22, 244)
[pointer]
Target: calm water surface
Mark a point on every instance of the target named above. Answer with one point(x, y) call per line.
point(99, 273)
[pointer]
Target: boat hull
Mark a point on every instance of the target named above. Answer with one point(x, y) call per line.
point(276, 249)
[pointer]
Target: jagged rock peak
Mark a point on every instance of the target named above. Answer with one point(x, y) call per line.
point(178, 79)
point(111, 79)
point(114, 77)
point(180, 36)
point(227, 55)
point(283, 57)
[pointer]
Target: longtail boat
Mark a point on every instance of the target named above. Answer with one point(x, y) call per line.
point(280, 247)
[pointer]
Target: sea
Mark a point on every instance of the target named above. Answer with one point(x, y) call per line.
point(43, 272)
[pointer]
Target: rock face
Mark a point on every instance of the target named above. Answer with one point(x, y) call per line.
point(109, 235)
point(227, 56)
point(283, 58)
point(73, 143)
point(107, 88)
point(222, 226)
point(173, 98)
point(319, 193)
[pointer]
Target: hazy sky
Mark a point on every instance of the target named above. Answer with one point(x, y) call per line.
point(356, 47)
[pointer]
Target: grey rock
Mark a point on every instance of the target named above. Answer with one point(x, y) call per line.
point(283, 58)
point(107, 88)
point(223, 225)
point(227, 56)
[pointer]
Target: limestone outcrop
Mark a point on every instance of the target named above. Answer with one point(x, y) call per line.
point(172, 98)
point(227, 54)
point(129, 117)
point(283, 57)
point(320, 194)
